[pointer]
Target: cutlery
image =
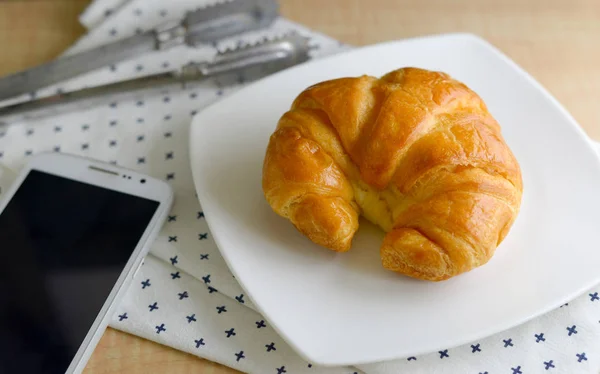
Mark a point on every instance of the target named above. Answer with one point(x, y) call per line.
point(204, 25)
point(230, 66)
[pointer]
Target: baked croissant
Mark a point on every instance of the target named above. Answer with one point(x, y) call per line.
point(415, 152)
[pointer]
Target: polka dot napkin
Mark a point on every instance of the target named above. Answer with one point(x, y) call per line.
point(184, 296)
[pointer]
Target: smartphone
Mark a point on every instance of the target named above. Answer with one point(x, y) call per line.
point(73, 233)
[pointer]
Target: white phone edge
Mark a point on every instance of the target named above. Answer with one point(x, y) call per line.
point(114, 178)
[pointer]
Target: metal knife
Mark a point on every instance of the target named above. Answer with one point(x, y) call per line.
point(204, 25)
point(240, 64)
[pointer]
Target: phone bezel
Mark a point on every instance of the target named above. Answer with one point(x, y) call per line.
point(113, 178)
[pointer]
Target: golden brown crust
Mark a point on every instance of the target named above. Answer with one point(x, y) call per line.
point(415, 152)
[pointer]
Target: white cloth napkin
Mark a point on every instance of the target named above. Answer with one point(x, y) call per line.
point(99, 10)
point(185, 296)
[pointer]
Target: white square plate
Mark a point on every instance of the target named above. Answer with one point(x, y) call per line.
point(340, 309)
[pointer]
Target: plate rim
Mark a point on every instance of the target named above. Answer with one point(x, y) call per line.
point(196, 127)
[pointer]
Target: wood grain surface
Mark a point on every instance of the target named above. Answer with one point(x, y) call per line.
point(554, 40)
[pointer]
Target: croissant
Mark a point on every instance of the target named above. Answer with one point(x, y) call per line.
point(415, 152)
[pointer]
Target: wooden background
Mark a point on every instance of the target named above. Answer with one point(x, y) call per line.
point(557, 41)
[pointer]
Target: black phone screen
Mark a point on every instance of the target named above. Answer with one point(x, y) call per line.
point(63, 245)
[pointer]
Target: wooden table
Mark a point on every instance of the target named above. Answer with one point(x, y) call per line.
point(555, 40)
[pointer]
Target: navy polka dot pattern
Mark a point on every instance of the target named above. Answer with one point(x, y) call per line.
point(184, 295)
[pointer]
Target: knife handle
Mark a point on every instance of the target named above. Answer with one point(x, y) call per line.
point(88, 97)
point(69, 66)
